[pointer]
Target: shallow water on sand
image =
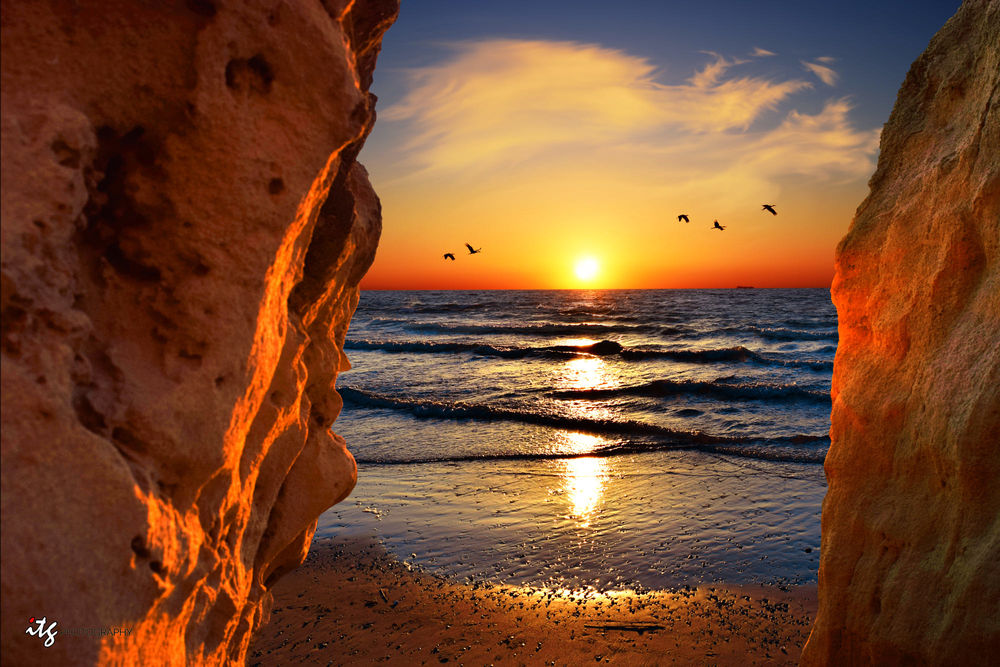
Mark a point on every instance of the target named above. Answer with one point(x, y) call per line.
point(615, 439)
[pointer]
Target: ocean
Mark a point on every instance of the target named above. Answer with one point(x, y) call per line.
point(606, 439)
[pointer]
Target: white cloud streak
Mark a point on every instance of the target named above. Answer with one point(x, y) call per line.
point(761, 53)
point(500, 97)
point(824, 73)
point(564, 108)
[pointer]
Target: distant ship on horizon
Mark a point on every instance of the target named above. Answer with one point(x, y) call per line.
point(745, 287)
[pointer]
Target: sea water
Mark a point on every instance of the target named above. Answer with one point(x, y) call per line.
point(591, 439)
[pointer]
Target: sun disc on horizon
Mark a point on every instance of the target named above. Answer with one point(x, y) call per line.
point(587, 268)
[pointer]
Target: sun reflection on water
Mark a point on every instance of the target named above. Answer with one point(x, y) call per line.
point(583, 478)
point(585, 373)
point(581, 374)
point(584, 484)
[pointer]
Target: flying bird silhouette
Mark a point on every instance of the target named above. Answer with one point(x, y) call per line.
point(769, 208)
point(683, 217)
point(717, 225)
point(472, 251)
point(450, 256)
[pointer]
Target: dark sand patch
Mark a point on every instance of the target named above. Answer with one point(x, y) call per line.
point(351, 603)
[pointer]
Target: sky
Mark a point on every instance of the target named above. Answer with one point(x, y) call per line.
point(564, 139)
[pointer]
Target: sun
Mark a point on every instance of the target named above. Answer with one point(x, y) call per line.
point(587, 268)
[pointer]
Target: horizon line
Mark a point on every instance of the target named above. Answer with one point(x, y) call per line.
point(575, 289)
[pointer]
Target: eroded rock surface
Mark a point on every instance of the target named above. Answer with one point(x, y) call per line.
point(184, 230)
point(910, 569)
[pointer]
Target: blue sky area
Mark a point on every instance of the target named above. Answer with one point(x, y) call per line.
point(873, 42)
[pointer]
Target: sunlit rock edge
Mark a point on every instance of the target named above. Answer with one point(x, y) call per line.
point(184, 231)
point(909, 568)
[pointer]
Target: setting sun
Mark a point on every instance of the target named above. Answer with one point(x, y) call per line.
point(587, 268)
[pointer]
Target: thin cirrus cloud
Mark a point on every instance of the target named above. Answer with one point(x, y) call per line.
point(824, 73)
point(761, 53)
point(508, 103)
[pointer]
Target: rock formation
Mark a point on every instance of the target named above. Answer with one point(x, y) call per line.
point(910, 569)
point(184, 230)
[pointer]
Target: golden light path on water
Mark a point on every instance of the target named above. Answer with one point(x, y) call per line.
point(584, 478)
point(584, 372)
point(584, 482)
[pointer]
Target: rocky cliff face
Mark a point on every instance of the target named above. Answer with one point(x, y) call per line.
point(911, 523)
point(184, 230)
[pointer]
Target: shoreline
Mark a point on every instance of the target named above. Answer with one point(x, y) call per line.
point(353, 603)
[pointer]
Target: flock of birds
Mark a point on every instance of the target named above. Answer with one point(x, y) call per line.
point(472, 251)
point(683, 217)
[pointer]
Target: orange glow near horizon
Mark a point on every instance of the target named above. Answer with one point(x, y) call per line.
point(546, 153)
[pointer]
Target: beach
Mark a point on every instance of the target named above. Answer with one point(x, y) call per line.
point(570, 478)
point(351, 603)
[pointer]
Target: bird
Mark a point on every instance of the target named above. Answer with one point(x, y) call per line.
point(472, 251)
point(717, 225)
point(769, 208)
point(683, 217)
point(450, 256)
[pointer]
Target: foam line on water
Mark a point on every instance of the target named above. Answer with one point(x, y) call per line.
point(743, 391)
point(644, 436)
point(604, 348)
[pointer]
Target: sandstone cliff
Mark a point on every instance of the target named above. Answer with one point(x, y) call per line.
point(184, 230)
point(910, 569)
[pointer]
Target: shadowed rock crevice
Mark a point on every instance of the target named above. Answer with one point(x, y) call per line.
point(112, 215)
point(171, 172)
point(251, 75)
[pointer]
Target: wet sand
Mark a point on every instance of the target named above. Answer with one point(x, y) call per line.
point(351, 604)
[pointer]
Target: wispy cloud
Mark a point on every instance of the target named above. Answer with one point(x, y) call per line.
point(564, 108)
point(825, 142)
point(827, 59)
point(495, 99)
point(824, 73)
point(761, 53)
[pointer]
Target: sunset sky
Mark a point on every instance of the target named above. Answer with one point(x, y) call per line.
point(564, 138)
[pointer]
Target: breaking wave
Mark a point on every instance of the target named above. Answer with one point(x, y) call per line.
point(604, 348)
point(640, 436)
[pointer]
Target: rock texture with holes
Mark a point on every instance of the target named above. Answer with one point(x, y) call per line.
point(911, 523)
point(184, 230)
